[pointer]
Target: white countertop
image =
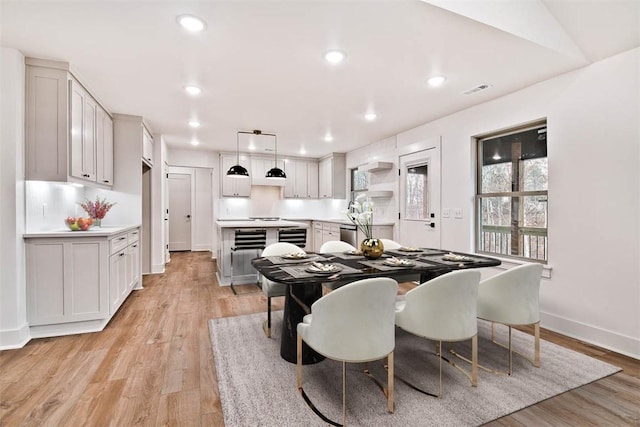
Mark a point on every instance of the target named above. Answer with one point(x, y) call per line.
point(346, 221)
point(104, 231)
point(281, 223)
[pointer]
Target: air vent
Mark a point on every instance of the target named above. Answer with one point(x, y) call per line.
point(476, 89)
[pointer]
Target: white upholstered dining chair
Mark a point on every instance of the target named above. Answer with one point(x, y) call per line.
point(444, 309)
point(390, 245)
point(512, 298)
point(273, 289)
point(354, 323)
point(330, 247)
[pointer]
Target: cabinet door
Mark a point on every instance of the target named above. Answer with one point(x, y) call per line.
point(134, 265)
point(104, 148)
point(300, 180)
point(83, 133)
point(312, 180)
point(290, 168)
point(147, 147)
point(67, 281)
point(324, 179)
point(117, 280)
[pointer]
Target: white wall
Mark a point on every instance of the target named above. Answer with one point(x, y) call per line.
point(14, 330)
point(594, 193)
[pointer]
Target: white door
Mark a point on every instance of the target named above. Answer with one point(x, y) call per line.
point(420, 198)
point(179, 212)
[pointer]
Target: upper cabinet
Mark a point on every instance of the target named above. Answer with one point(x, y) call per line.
point(258, 171)
point(234, 187)
point(302, 179)
point(69, 136)
point(332, 177)
point(147, 146)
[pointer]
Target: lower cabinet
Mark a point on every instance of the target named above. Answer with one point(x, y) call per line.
point(324, 232)
point(76, 284)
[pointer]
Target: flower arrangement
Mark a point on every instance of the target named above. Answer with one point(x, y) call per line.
point(97, 209)
point(360, 213)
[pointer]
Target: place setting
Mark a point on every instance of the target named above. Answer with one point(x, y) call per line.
point(293, 258)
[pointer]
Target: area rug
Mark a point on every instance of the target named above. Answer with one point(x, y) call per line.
point(258, 388)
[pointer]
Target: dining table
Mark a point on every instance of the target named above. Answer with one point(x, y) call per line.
point(305, 274)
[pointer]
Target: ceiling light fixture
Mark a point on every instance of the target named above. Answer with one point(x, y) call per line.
point(436, 81)
point(237, 170)
point(275, 172)
point(328, 138)
point(370, 116)
point(194, 124)
point(334, 56)
point(193, 90)
point(191, 23)
point(194, 142)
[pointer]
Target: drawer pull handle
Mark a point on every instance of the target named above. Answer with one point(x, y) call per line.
point(122, 254)
point(121, 238)
point(135, 246)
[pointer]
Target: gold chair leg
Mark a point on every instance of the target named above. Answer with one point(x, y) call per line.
point(299, 362)
point(390, 388)
point(474, 361)
point(440, 369)
point(536, 356)
point(344, 393)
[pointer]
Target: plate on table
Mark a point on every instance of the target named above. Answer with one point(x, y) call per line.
point(295, 255)
point(318, 268)
point(352, 252)
point(456, 258)
point(409, 249)
point(398, 262)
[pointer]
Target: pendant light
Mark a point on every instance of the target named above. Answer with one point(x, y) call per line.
point(275, 172)
point(238, 171)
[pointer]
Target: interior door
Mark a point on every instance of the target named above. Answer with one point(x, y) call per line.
point(419, 224)
point(179, 212)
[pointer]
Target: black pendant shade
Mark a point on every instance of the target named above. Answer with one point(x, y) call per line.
point(237, 170)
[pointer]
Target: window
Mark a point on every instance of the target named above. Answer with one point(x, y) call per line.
point(416, 203)
point(359, 183)
point(512, 194)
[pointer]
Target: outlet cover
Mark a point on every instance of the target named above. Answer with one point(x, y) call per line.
point(446, 213)
point(457, 213)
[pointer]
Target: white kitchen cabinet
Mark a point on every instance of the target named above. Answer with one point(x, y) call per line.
point(62, 127)
point(258, 171)
point(67, 280)
point(302, 179)
point(147, 146)
point(332, 177)
point(324, 232)
point(76, 284)
point(104, 147)
point(234, 187)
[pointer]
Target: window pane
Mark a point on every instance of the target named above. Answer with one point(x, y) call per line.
point(496, 178)
point(416, 204)
point(535, 174)
point(359, 180)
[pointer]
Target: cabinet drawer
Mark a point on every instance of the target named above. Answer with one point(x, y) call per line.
point(333, 228)
point(133, 236)
point(118, 243)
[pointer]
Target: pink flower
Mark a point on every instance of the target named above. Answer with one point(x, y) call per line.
point(97, 209)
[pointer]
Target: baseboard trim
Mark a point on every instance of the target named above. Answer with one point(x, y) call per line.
point(14, 338)
point(623, 344)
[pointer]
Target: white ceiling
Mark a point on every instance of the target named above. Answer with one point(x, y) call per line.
point(261, 66)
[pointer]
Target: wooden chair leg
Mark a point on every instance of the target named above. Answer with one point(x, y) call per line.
point(536, 356)
point(390, 388)
point(474, 361)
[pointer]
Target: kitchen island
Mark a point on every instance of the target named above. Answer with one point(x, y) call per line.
point(243, 271)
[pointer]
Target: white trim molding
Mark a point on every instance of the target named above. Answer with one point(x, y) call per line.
point(14, 338)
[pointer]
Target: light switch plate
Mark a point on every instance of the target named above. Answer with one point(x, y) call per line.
point(457, 213)
point(446, 213)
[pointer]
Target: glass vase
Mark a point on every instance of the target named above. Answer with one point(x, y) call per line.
point(372, 248)
point(97, 222)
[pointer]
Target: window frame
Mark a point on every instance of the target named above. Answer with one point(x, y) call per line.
point(479, 196)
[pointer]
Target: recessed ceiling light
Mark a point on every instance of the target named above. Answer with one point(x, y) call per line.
point(328, 138)
point(194, 124)
point(193, 90)
point(251, 146)
point(303, 151)
point(436, 81)
point(334, 56)
point(194, 142)
point(191, 23)
point(370, 116)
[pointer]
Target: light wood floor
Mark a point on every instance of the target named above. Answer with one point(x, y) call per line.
point(153, 365)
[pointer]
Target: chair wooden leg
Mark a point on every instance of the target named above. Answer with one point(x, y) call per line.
point(390, 388)
point(440, 364)
point(510, 352)
point(299, 362)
